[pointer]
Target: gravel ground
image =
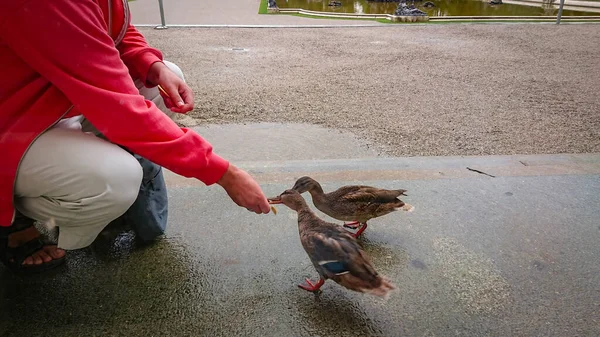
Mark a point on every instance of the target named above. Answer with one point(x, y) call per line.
point(410, 90)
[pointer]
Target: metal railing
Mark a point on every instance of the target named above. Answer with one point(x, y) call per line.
point(163, 24)
point(560, 9)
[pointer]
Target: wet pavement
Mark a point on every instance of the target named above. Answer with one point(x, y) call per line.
point(511, 255)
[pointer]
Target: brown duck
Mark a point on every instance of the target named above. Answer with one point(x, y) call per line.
point(333, 251)
point(356, 203)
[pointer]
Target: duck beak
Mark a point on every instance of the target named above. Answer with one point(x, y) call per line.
point(274, 200)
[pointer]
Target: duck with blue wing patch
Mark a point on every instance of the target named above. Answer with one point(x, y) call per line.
point(333, 251)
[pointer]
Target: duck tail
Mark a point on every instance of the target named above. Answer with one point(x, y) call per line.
point(401, 205)
point(408, 207)
point(384, 290)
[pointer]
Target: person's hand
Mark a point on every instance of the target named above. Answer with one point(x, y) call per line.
point(244, 190)
point(180, 97)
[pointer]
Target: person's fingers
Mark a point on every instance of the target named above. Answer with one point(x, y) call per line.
point(176, 98)
point(259, 206)
point(168, 102)
point(244, 190)
point(180, 102)
point(173, 91)
point(264, 206)
point(188, 98)
point(255, 206)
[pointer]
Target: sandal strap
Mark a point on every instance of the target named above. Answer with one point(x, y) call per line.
point(13, 257)
point(22, 252)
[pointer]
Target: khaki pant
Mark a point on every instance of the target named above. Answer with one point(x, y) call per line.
point(70, 173)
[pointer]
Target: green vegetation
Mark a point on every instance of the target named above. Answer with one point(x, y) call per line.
point(262, 9)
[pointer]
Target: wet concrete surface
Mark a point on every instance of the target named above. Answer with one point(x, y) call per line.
point(479, 256)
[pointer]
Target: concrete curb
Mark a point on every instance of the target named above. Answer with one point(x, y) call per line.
point(570, 3)
point(394, 18)
point(414, 168)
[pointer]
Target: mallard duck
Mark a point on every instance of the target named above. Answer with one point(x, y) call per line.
point(355, 203)
point(333, 251)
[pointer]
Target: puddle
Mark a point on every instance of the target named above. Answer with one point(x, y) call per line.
point(441, 8)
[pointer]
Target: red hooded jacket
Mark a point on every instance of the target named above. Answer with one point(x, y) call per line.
point(63, 58)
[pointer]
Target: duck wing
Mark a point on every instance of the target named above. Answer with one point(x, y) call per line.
point(368, 194)
point(335, 253)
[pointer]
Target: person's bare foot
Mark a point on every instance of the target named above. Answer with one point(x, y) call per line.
point(44, 255)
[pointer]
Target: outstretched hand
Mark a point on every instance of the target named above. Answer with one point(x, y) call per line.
point(244, 190)
point(178, 96)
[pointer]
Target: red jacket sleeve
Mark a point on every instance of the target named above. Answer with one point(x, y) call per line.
point(66, 42)
point(137, 55)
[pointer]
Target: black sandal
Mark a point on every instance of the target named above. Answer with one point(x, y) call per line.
point(13, 257)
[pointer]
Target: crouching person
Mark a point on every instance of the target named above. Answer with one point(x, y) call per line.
point(85, 132)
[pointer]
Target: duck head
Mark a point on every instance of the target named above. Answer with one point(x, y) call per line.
point(305, 184)
point(290, 198)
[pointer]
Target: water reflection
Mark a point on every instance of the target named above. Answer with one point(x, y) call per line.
point(358, 8)
point(442, 7)
point(106, 288)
